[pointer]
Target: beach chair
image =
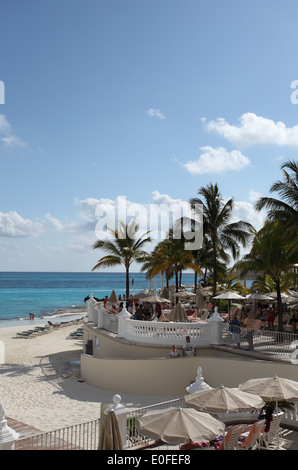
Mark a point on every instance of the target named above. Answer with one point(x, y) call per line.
point(272, 439)
point(253, 436)
point(257, 324)
point(205, 314)
point(230, 441)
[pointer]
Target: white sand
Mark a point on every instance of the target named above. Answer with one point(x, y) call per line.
point(40, 388)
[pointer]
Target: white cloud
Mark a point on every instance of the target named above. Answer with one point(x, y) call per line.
point(254, 196)
point(253, 130)
point(96, 215)
point(155, 113)
point(159, 198)
point(86, 219)
point(217, 160)
point(13, 141)
point(4, 125)
point(244, 210)
point(59, 226)
point(7, 135)
point(13, 225)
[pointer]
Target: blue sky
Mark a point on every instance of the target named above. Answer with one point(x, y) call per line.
point(150, 100)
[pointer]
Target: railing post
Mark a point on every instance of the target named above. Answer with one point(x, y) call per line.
point(91, 308)
point(121, 412)
point(122, 317)
point(215, 323)
point(8, 436)
point(100, 315)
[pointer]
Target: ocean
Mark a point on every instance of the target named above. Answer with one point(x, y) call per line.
point(45, 294)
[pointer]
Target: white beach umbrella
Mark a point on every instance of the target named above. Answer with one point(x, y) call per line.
point(184, 293)
point(272, 389)
point(229, 295)
point(257, 296)
point(153, 299)
point(140, 295)
point(223, 399)
point(179, 425)
point(274, 295)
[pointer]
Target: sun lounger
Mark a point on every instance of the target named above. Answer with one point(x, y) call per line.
point(230, 441)
point(26, 334)
point(253, 436)
point(272, 439)
point(204, 315)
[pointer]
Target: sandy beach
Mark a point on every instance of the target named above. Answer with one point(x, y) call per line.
point(40, 381)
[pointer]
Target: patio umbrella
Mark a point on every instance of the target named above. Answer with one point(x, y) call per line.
point(272, 389)
point(223, 399)
point(139, 295)
point(184, 293)
point(258, 297)
point(229, 295)
point(110, 438)
point(177, 313)
point(113, 297)
point(180, 425)
point(153, 299)
point(274, 295)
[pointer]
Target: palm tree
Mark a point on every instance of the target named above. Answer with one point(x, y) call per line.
point(266, 284)
point(170, 257)
point(230, 281)
point(225, 236)
point(274, 253)
point(204, 259)
point(124, 250)
point(286, 209)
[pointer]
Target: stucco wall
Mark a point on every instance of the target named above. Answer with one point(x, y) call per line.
point(165, 376)
point(120, 366)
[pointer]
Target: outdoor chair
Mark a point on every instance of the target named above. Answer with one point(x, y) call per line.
point(204, 315)
point(253, 436)
point(272, 439)
point(230, 441)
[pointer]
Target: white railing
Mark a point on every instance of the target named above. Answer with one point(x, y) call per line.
point(110, 322)
point(83, 436)
point(201, 333)
point(265, 341)
point(162, 332)
point(86, 436)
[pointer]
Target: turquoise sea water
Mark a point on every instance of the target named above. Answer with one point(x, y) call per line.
point(22, 293)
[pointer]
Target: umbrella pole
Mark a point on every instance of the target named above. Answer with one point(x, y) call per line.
point(278, 440)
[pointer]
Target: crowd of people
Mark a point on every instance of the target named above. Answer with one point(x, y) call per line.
point(262, 317)
point(247, 319)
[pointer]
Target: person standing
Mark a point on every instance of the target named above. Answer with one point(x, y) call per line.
point(235, 330)
point(247, 323)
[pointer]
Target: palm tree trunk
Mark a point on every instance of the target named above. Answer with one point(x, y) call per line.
point(279, 305)
point(177, 282)
point(205, 277)
point(127, 282)
point(214, 275)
